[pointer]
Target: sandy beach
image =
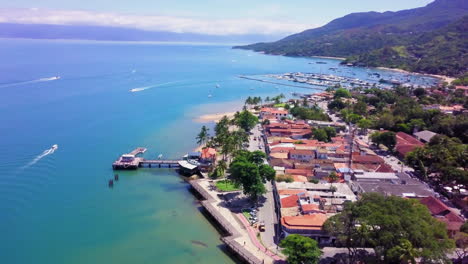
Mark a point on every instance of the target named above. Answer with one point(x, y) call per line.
point(444, 78)
point(213, 117)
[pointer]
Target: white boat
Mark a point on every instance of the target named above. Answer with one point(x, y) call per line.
point(54, 147)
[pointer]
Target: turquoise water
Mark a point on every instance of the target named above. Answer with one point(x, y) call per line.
point(56, 207)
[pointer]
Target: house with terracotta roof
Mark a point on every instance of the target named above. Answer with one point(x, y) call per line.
point(406, 143)
point(290, 201)
point(276, 112)
point(307, 225)
point(443, 213)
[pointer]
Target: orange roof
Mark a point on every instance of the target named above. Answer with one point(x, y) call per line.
point(207, 153)
point(290, 201)
point(310, 207)
point(300, 178)
point(308, 222)
point(299, 172)
point(279, 155)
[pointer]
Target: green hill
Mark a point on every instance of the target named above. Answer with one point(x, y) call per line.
point(430, 39)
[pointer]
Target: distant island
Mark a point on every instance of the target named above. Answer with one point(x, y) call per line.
point(430, 39)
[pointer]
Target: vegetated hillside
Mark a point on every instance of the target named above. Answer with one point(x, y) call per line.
point(356, 36)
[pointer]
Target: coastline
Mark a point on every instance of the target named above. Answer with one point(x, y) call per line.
point(444, 78)
point(328, 57)
point(213, 117)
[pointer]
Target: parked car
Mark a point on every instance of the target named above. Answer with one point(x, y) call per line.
point(262, 227)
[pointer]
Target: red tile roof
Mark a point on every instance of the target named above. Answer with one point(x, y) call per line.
point(302, 172)
point(310, 207)
point(308, 222)
point(290, 201)
point(368, 159)
point(434, 205)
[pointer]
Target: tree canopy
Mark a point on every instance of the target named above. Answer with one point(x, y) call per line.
point(395, 227)
point(249, 171)
point(301, 250)
point(245, 120)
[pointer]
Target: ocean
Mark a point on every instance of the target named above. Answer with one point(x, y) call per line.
point(95, 101)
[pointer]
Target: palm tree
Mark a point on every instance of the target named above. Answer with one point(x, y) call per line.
point(203, 136)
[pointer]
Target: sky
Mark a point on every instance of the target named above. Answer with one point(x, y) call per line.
point(216, 17)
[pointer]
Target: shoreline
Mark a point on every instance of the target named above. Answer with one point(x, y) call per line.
point(444, 78)
point(213, 117)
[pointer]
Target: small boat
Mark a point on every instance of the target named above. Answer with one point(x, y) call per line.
point(160, 156)
point(217, 86)
point(321, 62)
point(54, 147)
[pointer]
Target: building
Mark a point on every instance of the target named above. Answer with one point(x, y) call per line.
point(406, 143)
point(307, 225)
point(276, 112)
point(375, 176)
point(301, 155)
point(443, 213)
point(425, 136)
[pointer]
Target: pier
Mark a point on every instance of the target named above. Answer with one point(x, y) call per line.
point(283, 84)
point(132, 161)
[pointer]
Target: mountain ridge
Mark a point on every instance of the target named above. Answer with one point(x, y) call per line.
point(357, 34)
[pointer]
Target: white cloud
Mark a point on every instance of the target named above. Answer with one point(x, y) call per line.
point(150, 22)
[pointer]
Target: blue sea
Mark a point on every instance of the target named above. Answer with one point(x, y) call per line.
point(95, 101)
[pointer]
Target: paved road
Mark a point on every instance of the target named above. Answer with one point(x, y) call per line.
point(266, 213)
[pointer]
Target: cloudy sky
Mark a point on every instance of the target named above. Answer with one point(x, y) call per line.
point(218, 17)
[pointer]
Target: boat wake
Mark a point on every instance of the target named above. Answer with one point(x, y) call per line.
point(54, 78)
point(42, 155)
point(139, 89)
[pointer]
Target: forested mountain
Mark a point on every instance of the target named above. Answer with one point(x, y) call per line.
point(425, 39)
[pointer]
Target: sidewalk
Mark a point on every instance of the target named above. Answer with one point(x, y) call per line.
point(243, 235)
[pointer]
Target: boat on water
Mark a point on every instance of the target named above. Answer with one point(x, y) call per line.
point(54, 147)
point(160, 156)
point(321, 62)
point(217, 85)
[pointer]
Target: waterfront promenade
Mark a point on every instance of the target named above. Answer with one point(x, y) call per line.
point(242, 238)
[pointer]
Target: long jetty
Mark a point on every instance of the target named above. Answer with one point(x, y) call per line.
point(229, 240)
point(130, 161)
point(283, 84)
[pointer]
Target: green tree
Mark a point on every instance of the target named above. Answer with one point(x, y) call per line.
point(249, 171)
point(246, 120)
point(320, 134)
point(301, 250)
point(364, 124)
point(403, 253)
point(342, 92)
point(267, 172)
point(388, 139)
point(384, 223)
point(203, 136)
